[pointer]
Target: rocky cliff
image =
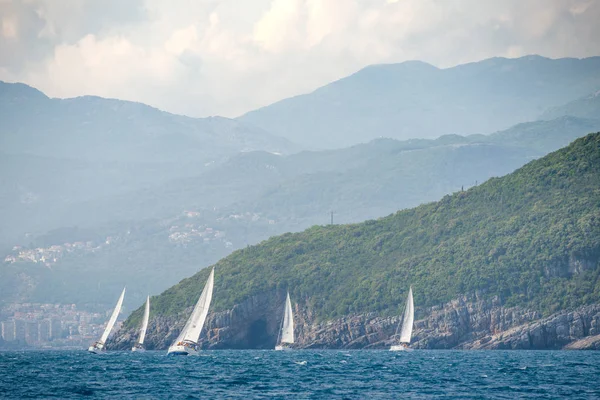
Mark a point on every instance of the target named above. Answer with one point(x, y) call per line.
point(578, 329)
point(464, 323)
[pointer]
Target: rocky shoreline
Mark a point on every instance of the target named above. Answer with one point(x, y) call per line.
point(469, 323)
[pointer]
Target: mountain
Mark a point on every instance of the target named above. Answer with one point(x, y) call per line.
point(57, 152)
point(98, 129)
point(545, 136)
point(150, 239)
point(584, 107)
point(250, 198)
point(417, 100)
point(356, 183)
point(527, 242)
point(89, 161)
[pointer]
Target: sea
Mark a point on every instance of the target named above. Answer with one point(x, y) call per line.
point(301, 374)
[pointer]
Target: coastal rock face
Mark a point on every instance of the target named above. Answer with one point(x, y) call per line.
point(587, 343)
point(579, 329)
point(464, 320)
point(464, 323)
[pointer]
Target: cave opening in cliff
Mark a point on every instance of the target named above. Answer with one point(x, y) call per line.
point(258, 337)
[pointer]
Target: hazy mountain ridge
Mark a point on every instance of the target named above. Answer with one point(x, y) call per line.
point(361, 182)
point(99, 129)
point(585, 107)
point(56, 152)
point(415, 99)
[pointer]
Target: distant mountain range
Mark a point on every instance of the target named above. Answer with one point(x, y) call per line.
point(56, 152)
point(417, 100)
point(584, 107)
point(357, 183)
point(146, 198)
point(529, 239)
point(96, 129)
point(157, 236)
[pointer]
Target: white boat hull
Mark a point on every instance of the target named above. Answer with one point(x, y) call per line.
point(400, 348)
point(281, 347)
point(96, 350)
point(138, 349)
point(179, 350)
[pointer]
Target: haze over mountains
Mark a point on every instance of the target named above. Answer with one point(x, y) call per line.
point(417, 100)
point(584, 107)
point(159, 196)
point(56, 152)
point(108, 130)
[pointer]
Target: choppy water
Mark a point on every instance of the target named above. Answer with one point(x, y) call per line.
point(301, 374)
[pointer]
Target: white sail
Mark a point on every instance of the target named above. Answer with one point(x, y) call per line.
point(145, 322)
point(113, 319)
point(407, 321)
point(287, 327)
point(193, 327)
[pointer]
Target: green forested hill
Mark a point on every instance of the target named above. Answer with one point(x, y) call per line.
point(532, 237)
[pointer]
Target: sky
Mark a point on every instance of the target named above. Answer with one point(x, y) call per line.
point(227, 57)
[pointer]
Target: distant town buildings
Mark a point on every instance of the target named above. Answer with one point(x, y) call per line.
point(49, 325)
point(186, 231)
point(50, 255)
point(190, 233)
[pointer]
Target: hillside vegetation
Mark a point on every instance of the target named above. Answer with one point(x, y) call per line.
point(531, 237)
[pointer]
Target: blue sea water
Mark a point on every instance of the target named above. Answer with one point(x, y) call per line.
point(301, 374)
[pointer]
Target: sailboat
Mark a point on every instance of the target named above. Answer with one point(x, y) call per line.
point(187, 341)
point(139, 346)
point(407, 325)
point(98, 347)
point(286, 333)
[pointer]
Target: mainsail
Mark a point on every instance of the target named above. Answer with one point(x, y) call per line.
point(193, 327)
point(144, 322)
point(407, 321)
point(113, 319)
point(287, 327)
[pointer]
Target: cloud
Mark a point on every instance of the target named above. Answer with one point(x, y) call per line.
point(9, 28)
point(226, 57)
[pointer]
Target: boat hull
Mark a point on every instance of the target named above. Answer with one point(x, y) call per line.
point(281, 347)
point(400, 348)
point(179, 350)
point(138, 349)
point(96, 350)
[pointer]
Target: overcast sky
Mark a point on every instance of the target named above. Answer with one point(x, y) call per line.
point(225, 57)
